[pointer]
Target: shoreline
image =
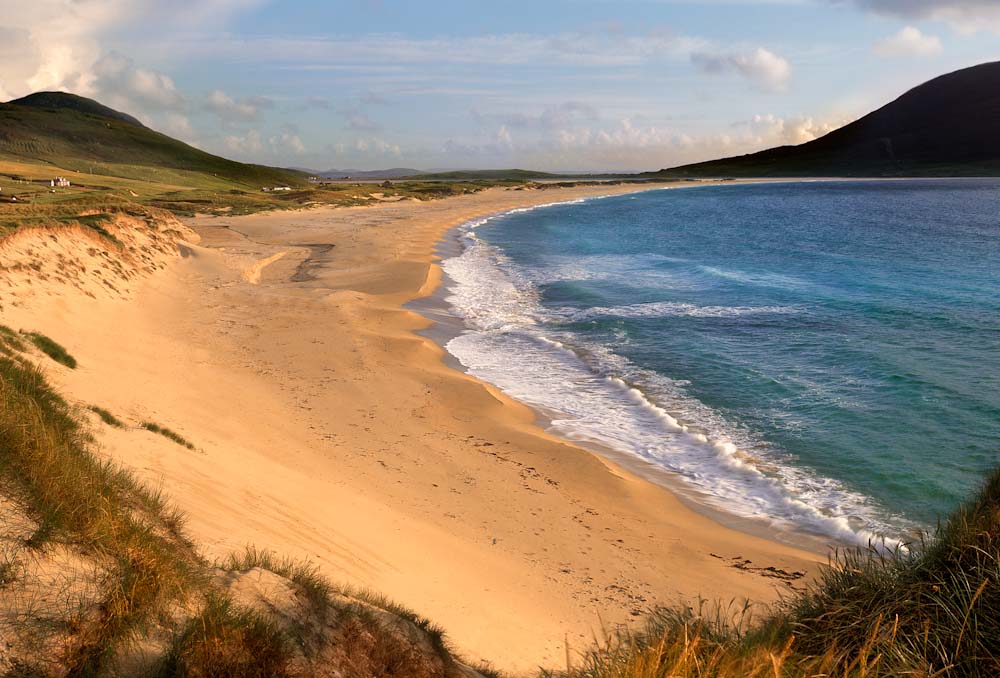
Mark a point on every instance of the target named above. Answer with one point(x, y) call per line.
point(327, 430)
point(446, 325)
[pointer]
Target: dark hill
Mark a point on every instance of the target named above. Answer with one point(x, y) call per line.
point(73, 102)
point(949, 126)
point(71, 132)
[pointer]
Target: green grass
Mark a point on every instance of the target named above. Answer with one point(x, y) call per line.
point(933, 610)
point(52, 349)
point(107, 417)
point(11, 341)
point(167, 433)
point(92, 506)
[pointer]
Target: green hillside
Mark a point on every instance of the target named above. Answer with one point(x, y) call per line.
point(74, 133)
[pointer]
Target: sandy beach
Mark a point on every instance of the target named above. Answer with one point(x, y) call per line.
point(327, 429)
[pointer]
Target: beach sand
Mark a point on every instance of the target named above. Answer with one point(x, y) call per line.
point(326, 429)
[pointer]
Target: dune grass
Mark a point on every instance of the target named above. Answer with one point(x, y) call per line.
point(167, 433)
point(932, 610)
point(93, 506)
point(226, 641)
point(107, 417)
point(52, 349)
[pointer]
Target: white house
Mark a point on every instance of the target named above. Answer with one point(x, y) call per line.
point(59, 182)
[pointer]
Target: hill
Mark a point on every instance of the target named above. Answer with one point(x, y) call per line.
point(948, 126)
point(72, 132)
point(488, 175)
point(73, 102)
point(391, 173)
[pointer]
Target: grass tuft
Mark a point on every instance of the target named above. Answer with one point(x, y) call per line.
point(226, 641)
point(10, 341)
point(167, 433)
point(52, 349)
point(107, 417)
point(315, 586)
point(932, 610)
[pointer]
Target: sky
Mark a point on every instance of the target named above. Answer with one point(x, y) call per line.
point(443, 84)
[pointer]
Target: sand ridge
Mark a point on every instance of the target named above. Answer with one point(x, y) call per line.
point(327, 429)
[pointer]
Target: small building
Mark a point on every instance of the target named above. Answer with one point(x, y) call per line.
point(59, 182)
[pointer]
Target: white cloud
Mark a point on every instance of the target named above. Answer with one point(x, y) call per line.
point(909, 42)
point(119, 83)
point(761, 66)
point(230, 109)
point(56, 44)
point(376, 148)
point(625, 145)
point(179, 127)
point(287, 142)
point(246, 145)
point(771, 130)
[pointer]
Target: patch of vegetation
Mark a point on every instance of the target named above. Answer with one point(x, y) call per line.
point(933, 610)
point(107, 417)
point(52, 349)
point(316, 587)
point(94, 506)
point(167, 433)
point(10, 341)
point(226, 641)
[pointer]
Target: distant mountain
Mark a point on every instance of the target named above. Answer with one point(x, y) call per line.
point(490, 175)
point(949, 126)
point(392, 173)
point(73, 132)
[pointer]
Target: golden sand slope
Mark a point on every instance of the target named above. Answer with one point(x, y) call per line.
point(326, 429)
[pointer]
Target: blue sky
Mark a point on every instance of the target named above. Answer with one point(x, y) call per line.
point(550, 84)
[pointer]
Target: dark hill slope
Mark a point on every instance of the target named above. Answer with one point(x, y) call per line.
point(73, 102)
point(949, 126)
point(70, 131)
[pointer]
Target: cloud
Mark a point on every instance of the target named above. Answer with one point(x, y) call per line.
point(392, 51)
point(552, 117)
point(251, 146)
point(769, 130)
point(119, 83)
point(358, 121)
point(230, 109)
point(761, 66)
point(374, 147)
point(909, 42)
point(626, 145)
point(57, 44)
point(964, 15)
point(246, 145)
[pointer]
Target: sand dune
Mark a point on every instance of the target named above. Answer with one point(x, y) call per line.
point(326, 429)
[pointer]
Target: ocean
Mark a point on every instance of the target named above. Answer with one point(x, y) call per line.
point(814, 357)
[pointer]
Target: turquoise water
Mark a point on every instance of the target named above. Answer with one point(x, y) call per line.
point(818, 356)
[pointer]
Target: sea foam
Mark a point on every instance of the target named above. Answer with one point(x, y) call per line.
point(595, 396)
